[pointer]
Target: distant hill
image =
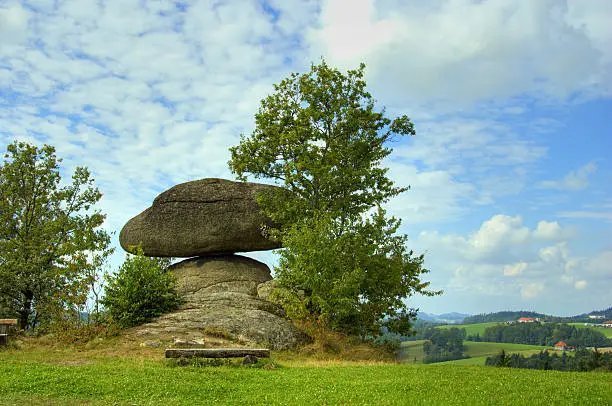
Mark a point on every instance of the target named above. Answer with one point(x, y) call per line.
point(514, 315)
point(606, 314)
point(444, 318)
point(501, 316)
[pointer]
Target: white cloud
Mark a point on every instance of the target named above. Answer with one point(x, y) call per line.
point(575, 180)
point(580, 285)
point(455, 163)
point(434, 195)
point(466, 51)
point(516, 264)
point(500, 232)
point(531, 290)
point(516, 269)
point(555, 254)
point(13, 25)
point(551, 231)
point(586, 215)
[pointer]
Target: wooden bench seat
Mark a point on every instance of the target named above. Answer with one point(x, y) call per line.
point(4, 327)
point(217, 352)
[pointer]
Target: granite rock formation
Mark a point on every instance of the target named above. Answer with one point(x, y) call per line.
point(203, 217)
point(220, 293)
point(225, 296)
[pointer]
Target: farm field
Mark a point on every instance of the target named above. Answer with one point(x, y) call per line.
point(107, 376)
point(479, 328)
point(471, 329)
point(603, 330)
point(478, 351)
point(411, 352)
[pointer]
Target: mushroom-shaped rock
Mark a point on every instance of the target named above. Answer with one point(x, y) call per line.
point(199, 218)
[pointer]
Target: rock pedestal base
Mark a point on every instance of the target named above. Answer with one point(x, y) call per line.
point(220, 296)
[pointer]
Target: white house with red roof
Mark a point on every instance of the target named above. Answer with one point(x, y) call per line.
point(607, 324)
point(562, 346)
point(526, 320)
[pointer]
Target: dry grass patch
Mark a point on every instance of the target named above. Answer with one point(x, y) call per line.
point(46, 349)
point(330, 348)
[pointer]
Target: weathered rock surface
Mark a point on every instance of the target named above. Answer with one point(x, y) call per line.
point(197, 278)
point(198, 218)
point(221, 294)
point(264, 289)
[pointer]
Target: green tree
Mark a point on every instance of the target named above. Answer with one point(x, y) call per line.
point(50, 235)
point(141, 290)
point(321, 138)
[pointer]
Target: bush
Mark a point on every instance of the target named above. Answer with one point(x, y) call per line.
point(141, 290)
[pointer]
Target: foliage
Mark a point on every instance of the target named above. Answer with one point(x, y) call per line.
point(584, 360)
point(319, 134)
point(547, 334)
point(141, 290)
point(320, 137)
point(51, 241)
point(69, 331)
point(355, 279)
point(443, 345)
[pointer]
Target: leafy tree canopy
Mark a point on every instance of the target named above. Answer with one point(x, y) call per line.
point(51, 239)
point(321, 138)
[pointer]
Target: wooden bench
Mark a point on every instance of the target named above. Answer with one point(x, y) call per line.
point(217, 352)
point(4, 328)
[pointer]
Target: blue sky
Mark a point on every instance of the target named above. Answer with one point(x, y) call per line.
point(510, 171)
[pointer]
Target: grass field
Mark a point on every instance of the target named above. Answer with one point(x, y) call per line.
point(139, 376)
point(478, 352)
point(603, 330)
point(411, 352)
point(479, 328)
point(471, 329)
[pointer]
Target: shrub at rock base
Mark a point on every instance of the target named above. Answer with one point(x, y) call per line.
point(141, 290)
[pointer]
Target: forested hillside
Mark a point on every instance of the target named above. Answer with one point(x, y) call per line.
point(502, 316)
point(515, 315)
point(543, 334)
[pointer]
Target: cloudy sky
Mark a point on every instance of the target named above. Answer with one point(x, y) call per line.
point(510, 171)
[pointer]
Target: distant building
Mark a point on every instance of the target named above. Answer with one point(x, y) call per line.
point(561, 346)
point(527, 320)
point(595, 316)
point(607, 324)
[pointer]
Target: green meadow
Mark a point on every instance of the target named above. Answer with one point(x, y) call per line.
point(603, 330)
point(478, 351)
point(111, 379)
point(479, 328)
point(471, 329)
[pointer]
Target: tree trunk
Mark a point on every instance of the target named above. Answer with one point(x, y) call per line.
point(26, 311)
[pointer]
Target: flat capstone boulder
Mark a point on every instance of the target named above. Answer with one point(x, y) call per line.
point(199, 218)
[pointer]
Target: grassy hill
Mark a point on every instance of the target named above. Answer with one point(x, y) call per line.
point(411, 352)
point(477, 351)
point(479, 328)
point(72, 375)
point(603, 330)
point(480, 351)
point(472, 329)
